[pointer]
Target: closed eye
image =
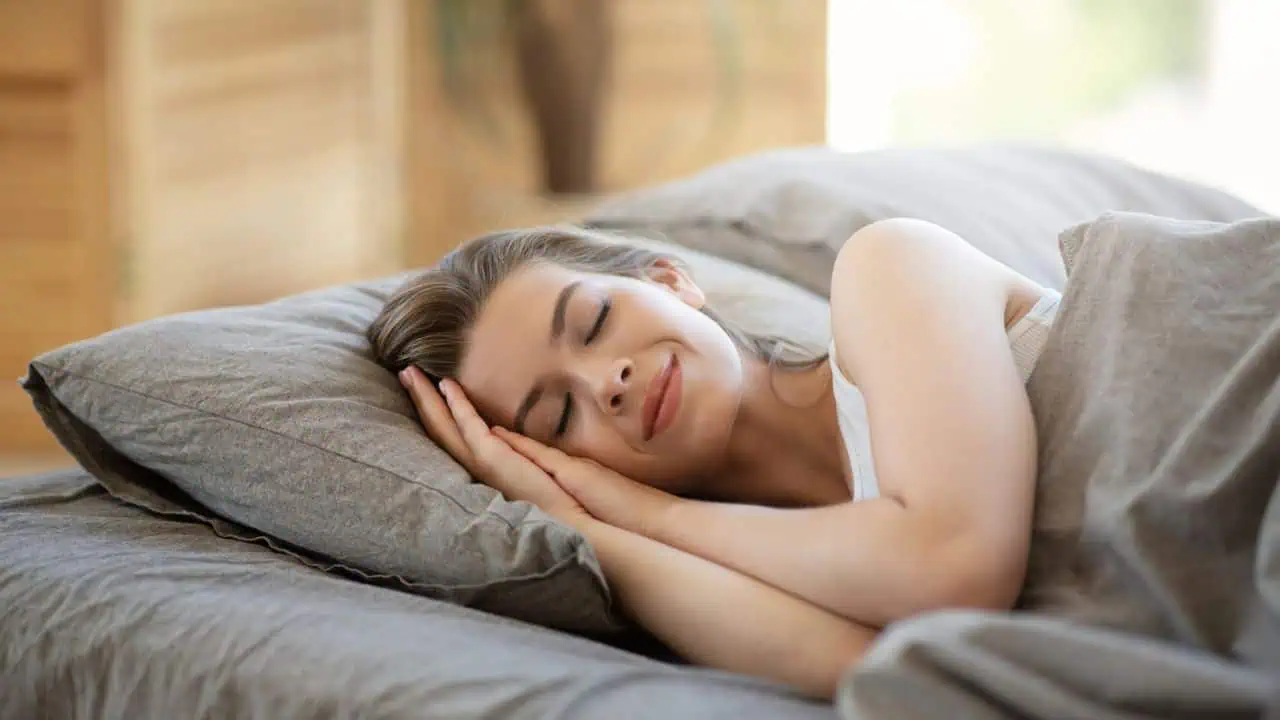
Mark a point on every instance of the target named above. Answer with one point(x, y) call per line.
point(599, 323)
point(563, 426)
point(566, 415)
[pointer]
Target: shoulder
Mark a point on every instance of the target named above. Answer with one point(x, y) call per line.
point(906, 270)
point(915, 248)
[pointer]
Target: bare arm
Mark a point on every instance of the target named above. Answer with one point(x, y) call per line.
point(720, 618)
point(707, 613)
point(710, 614)
point(952, 434)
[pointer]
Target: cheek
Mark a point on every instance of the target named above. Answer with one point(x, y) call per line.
point(667, 471)
point(598, 441)
point(595, 440)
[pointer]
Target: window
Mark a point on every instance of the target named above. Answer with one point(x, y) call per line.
point(1181, 86)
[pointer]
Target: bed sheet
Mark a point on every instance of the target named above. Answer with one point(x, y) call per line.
point(109, 612)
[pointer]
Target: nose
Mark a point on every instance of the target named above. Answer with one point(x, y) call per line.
point(614, 385)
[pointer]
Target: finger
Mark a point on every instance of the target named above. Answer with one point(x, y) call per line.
point(504, 464)
point(475, 431)
point(435, 414)
point(511, 472)
point(545, 457)
point(529, 456)
point(563, 468)
point(426, 400)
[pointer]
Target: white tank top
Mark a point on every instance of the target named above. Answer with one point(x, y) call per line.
point(1026, 339)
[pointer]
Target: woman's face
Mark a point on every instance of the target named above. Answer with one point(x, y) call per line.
point(624, 371)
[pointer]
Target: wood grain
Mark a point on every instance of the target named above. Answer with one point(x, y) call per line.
point(260, 164)
point(671, 111)
point(44, 39)
point(160, 156)
point(45, 291)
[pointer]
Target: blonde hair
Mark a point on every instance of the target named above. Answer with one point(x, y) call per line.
point(426, 322)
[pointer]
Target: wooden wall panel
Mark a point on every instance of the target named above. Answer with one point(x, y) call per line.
point(36, 163)
point(54, 287)
point(258, 149)
point(674, 110)
point(663, 118)
point(37, 295)
point(45, 38)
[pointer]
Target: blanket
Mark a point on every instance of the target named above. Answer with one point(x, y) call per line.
point(1153, 587)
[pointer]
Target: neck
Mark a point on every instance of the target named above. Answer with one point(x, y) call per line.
point(785, 445)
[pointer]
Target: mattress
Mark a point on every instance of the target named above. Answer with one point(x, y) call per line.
point(107, 611)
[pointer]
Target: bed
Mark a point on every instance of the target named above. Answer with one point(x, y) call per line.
point(224, 558)
point(107, 611)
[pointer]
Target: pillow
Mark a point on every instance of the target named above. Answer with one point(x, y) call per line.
point(273, 423)
point(787, 212)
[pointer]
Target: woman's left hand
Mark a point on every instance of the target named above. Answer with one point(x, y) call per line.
point(607, 495)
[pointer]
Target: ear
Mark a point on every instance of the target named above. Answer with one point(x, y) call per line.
point(674, 278)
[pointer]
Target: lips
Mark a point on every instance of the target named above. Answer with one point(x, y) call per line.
point(661, 398)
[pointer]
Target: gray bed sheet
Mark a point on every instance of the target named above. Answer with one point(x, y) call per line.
point(109, 612)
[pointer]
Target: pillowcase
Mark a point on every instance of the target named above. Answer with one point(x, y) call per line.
point(788, 212)
point(273, 423)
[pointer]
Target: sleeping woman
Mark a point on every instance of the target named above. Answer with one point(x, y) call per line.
point(758, 513)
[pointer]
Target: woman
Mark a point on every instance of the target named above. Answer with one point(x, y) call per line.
point(891, 477)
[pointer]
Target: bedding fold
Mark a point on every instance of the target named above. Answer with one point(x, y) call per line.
point(1154, 580)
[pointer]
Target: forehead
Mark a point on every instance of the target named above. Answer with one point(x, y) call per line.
point(509, 344)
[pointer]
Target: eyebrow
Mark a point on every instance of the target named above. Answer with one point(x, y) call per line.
point(557, 329)
point(562, 302)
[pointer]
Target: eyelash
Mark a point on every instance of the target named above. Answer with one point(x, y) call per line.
point(592, 334)
point(564, 416)
point(605, 307)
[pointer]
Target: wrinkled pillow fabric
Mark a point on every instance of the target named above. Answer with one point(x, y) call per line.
point(273, 423)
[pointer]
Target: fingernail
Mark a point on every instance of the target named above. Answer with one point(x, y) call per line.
point(406, 377)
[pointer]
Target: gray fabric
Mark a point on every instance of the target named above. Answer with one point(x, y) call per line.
point(274, 421)
point(788, 211)
point(987, 666)
point(109, 612)
point(1154, 581)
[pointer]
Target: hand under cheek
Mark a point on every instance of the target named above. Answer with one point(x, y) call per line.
point(605, 448)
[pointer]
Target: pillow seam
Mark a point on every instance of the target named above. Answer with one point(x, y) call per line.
point(277, 433)
point(331, 565)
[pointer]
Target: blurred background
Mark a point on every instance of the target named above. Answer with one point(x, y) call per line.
point(158, 156)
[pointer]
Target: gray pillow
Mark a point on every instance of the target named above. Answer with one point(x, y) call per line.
point(273, 423)
point(788, 212)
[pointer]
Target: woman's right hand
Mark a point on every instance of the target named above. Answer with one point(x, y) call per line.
point(453, 424)
point(434, 413)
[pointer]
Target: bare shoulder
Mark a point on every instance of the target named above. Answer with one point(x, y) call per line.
point(904, 261)
point(918, 249)
point(918, 317)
